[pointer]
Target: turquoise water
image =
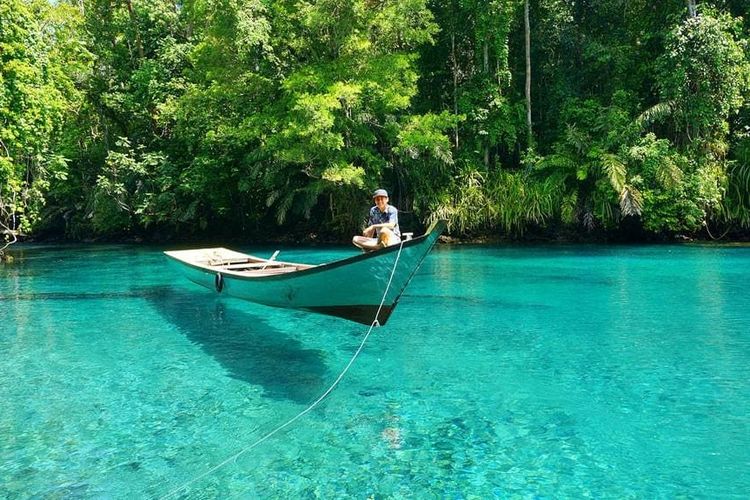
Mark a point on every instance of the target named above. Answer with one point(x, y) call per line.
point(523, 372)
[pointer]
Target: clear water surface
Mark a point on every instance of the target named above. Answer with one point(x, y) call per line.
point(520, 372)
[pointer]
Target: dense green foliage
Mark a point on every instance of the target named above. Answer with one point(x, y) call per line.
point(261, 117)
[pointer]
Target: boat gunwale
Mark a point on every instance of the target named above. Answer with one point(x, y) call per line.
point(315, 268)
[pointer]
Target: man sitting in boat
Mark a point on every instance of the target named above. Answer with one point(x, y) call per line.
point(383, 229)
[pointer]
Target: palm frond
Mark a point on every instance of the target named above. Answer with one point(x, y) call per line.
point(735, 207)
point(282, 209)
point(607, 212)
point(615, 171)
point(668, 173)
point(580, 141)
point(589, 221)
point(631, 201)
point(655, 113)
point(556, 161)
point(739, 176)
point(569, 208)
point(272, 197)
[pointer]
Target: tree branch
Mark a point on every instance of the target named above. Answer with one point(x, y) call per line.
point(6, 231)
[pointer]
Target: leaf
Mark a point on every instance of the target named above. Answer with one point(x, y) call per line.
point(655, 113)
point(631, 201)
point(615, 171)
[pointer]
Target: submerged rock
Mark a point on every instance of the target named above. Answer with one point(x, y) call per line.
point(392, 435)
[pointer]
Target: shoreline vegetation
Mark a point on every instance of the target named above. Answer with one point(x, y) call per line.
point(313, 239)
point(273, 120)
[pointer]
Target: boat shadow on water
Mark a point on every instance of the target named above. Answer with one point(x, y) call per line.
point(246, 345)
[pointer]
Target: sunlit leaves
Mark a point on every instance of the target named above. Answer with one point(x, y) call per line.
point(631, 201)
point(424, 135)
point(401, 24)
point(41, 61)
point(615, 171)
point(510, 201)
point(345, 175)
point(705, 73)
point(253, 113)
point(253, 31)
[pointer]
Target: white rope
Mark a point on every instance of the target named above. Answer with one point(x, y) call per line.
point(313, 404)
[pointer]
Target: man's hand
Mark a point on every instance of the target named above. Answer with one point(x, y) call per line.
point(369, 231)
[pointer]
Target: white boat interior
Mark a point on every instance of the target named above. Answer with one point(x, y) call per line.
point(224, 260)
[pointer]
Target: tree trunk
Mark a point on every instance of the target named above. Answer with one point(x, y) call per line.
point(527, 32)
point(486, 70)
point(138, 42)
point(486, 55)
point(455, 84)
point(692, 8)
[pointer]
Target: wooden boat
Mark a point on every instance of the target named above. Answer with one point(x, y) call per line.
point(350, 288)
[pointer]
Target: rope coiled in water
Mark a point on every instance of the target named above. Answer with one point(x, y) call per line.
point(312, 405)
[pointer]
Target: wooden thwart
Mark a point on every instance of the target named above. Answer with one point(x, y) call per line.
point(250, 265)
point(227, 262)
point(270, 271)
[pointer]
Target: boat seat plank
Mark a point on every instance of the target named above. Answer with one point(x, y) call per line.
point(227, 262)
point(251, 265)
point(270, 271)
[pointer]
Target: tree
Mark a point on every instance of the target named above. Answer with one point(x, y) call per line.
point(704, 76)
point(161, 117)
point(42, 58)
point(527, 39)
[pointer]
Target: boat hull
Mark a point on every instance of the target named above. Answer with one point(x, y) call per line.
point(351, 288)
